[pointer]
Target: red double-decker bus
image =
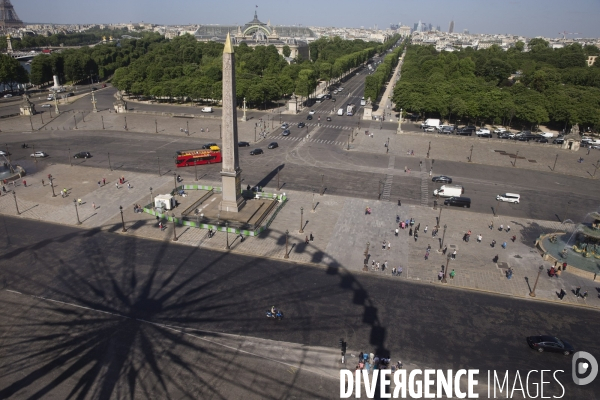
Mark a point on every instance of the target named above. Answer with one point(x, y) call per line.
point(187, 158)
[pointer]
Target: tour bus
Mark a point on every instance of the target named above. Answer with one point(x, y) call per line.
point(350, 110)
point(187, 158)
point(320, 98)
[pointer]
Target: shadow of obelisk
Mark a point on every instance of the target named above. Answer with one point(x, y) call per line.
point(231, 172)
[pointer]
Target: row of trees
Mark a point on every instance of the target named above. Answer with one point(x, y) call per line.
point(376, 81)
point(72, 65)
point(186, 68)
point(12, 72)
point(545, 85)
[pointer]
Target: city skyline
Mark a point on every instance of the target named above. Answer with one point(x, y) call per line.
point(524, 17)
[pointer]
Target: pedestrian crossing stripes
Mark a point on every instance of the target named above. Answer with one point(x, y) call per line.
point(304, 139)
point(424, 186)
point(389, 179)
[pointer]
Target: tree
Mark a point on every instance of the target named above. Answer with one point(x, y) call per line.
point(287, 51)
point(12, 72)
point(520, 46)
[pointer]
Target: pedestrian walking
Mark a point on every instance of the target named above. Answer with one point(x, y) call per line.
point(394, 271)
point(405, 169)
point(410, 232)
point(454, 255)
point(43, 183)
point(99, 183)
point(416, 236)
point(426, 255)
point(584, 295)
point(389, 245)
point(383, 245)
point(384, 265)
point(103, 181)
point(306, 240)
point(430, 172)
point(128, 185)
point(311, 237)
point(452, 274)
point(444, 250)
point(577, 290)
point(117, 184)
point(399, 272)
point(491, 225)
point(377, 266)
point(425, 230)
point(440, 275)
point(501, 227)
point(396, 231)
point(373, 264)
point(79, 201)
point(504, 245)
point(507, 228)
point(94, 206)
point(65, 192)
point(561, 294)
point(420, 163)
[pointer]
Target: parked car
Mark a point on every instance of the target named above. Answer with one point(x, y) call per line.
point(559, 140)
point(6, 96)
point(309, 117)
point(527, 137)
point(541, 139)
point(286, 132)
point(301, 124)
point(83, 154)
point(256, 152)
point(272, 145)
point(243, 144)
point(500, 131)
point(447, 130)
point(483, 132)
point(209, 145)
point(442, 178)
point(505, 135)
point(543, 343)
point(429, 128)
point(311, 112)
point(39, 154)
point(464, 132)
point(509, 197)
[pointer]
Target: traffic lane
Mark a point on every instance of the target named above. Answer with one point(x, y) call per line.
point(158, 282)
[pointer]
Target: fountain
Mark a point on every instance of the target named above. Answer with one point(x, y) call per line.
point(579, 246)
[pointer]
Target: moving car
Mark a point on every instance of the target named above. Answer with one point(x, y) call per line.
point(39, 154)
point(449, 191)
point(559, 140)
point(206, 110)
point(286, 132)
point(82, 154)
point(509, 197)
point(4, 153)
point(301, 124)
point(333, 99)
point(46, 105)
point(442, 178)
point(311, 112)
point(256, 152)
point(458, 202)
point(6, 96)
point(309, 117)
point(272, 145)
point(328, 118)
point(209, 145)
point(243, 144)
point(285, 126)
point(550, 343)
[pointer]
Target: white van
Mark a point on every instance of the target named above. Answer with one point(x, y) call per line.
point(509, 197)
point(340, 111)
point(449, 191)
point(207, 109)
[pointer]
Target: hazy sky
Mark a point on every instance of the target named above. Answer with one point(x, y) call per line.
point(523, 17)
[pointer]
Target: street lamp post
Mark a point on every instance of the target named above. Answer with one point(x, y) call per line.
point(254, 133)
point(365, 268)
point(313, 202)
point(151, 198)
point(175, 180)
point(278, 187)
point(443, 237)
point(31, 122)
point(34, 157)
point(220, 133)
point(174, 227)
point(83, 116)
point(439, 217)
point(227, 234)
point(102, 118)
point(196, 170)
point(94, 102)
point(446, 269)
point(125, 123)
point(554, 167)
point(109, 164)
point(322, 178)
point(75, 119)
point(471, 155)
point(155, 126)
point(16, 205)
point(350, 134)
point(597, 165)
point(158, 161)
point(122, 219)
point(286, 244)
point(301, 219)
point(516, 156)
point(76, 211)
point(428, 149)
point(540, 269)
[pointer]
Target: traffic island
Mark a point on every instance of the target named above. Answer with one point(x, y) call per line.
point(199, 206)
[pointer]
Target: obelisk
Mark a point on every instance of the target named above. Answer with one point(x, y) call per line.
point(231, 172)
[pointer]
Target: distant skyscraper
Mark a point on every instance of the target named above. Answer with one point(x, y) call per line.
point(430, 27)
point(416, 27)
point(466, 31)
point(438, 28)
point(451, 28)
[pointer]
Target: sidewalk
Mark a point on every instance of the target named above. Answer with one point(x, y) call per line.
point(340, 227)
point(386, 98)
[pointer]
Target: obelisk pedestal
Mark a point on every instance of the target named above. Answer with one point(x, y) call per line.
point(231, 172)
